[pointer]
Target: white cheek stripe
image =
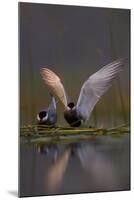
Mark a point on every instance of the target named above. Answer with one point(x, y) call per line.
point(45, 118)
point(38, 117)
point(68, 108)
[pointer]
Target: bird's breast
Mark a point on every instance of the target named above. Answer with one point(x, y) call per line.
point(72, 118)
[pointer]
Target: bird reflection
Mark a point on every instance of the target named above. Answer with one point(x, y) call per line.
point(99, 166)
point(95, 163)
point(47, 150)
point(57, 170)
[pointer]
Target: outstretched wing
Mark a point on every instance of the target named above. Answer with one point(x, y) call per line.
point(96, 85)
point(54, 83)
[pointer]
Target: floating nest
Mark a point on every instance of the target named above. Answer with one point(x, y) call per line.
point(48, 134)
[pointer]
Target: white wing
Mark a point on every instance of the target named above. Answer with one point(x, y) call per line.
point(54, 83)
point(96, 85)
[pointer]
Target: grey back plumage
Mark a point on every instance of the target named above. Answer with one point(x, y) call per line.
point(52, 116)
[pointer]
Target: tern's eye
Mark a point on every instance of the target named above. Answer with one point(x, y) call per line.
point(42, 114)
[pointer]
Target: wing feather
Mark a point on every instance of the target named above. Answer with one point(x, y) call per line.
point(96, 85)
point(54, 83)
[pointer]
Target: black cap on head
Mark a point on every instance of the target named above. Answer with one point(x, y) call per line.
point(42, 114)
point(71, 105)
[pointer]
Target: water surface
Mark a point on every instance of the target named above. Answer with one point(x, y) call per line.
point(99, 163)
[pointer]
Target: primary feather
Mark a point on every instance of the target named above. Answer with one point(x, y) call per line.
point(54, 82)
point(96, 85)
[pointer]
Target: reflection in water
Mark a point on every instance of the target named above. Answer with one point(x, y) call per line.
point(100, 164)
point(57, 170)
point(99, 167)
point(51, 148)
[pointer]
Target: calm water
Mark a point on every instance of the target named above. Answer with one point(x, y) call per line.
point(101, 163)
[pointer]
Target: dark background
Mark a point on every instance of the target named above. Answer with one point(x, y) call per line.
point(74, 42)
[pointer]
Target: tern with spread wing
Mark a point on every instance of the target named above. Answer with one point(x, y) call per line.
point(92, 90)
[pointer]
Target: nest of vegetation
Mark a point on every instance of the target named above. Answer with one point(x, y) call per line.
point(57, 134)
